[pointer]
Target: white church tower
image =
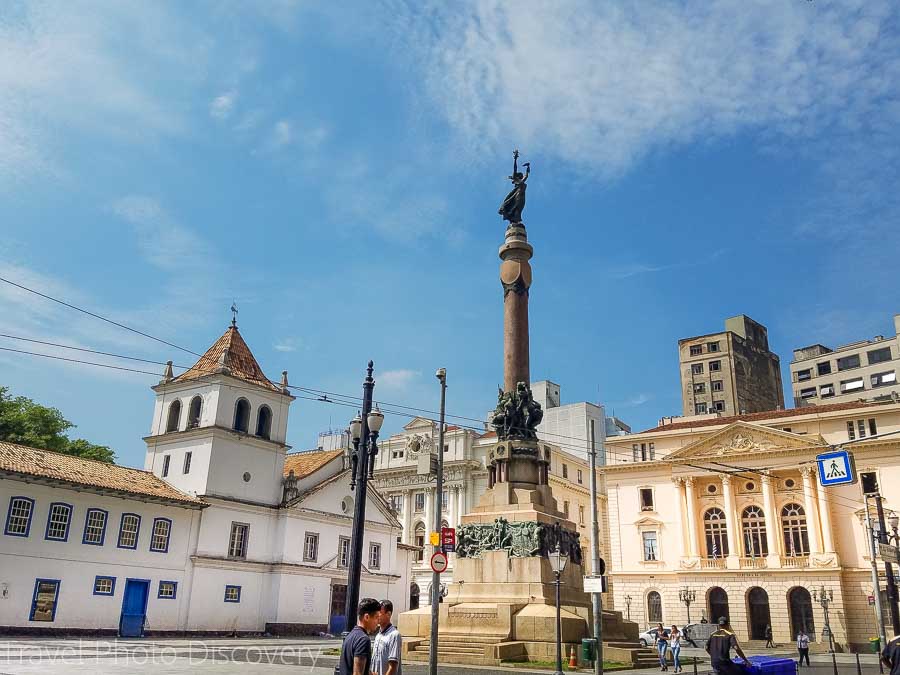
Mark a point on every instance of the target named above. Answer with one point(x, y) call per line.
point(219, 428)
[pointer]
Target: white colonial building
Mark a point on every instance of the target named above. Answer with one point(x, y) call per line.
point(402, 476)
point(224, 531)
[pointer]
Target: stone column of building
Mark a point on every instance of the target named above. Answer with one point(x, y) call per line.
point(812, 522)
point(693, 547)
point(731, 523)
point(451, 507)
point(460, 503)
point(825, 519)
point(429, 513)
point(407, 516)
point(773, 532)
point(684, 516)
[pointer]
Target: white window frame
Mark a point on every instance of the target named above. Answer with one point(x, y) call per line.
point(374, 556)
point(311, 547)
point(238, 544)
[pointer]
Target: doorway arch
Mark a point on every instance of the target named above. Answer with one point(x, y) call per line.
point(414, 596)
point(717, 603)
point(758, 616)
point(800, 605)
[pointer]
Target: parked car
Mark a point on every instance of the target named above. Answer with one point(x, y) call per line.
point(648, 637)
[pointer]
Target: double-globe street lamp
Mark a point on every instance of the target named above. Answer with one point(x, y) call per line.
point(558, 562)
point(364, 430)
point(687, 596)
point(825, 597)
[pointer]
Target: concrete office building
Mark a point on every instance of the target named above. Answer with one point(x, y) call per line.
point(731, 372)
point(569, 426)
point(860, 371)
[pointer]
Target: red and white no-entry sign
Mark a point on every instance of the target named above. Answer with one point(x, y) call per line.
point(439, 562)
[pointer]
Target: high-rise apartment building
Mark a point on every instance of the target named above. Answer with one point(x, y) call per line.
point(732, 372)
point(860, 371)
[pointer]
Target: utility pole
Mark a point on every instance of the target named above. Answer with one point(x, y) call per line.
point(879, 610)
point(596, 599)
point(441, 375)
point(888, 569)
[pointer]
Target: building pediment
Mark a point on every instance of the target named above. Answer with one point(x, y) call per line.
point(743, 439)
point(648, 521)
point(419, 424)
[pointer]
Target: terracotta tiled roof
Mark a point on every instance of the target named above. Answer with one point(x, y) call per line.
point(764, 416)
point(231, 352)
point(305, 463)
point(21, 459)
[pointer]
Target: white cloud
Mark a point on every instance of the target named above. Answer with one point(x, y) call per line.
point(63, 70)
point(289, 344)
point(602, 85)
point(283, 133)
point(635, 401)
point(222, 106)
point(397, 380)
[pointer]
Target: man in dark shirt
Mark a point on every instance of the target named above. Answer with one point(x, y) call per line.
point(356, 652)
point(719, 648)
point(890, 656)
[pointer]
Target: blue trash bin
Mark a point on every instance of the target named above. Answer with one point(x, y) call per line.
point(770, 665)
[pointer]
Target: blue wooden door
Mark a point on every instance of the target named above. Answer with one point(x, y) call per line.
point(134, 608)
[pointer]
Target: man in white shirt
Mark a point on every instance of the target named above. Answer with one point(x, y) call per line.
point(388, 644)
point(803, 647)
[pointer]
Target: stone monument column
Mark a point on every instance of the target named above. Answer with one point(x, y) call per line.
point(515, 275)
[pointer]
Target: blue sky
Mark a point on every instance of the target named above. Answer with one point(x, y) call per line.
point(337, 173)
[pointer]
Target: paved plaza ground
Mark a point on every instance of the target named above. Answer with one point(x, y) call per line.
point(252, 655)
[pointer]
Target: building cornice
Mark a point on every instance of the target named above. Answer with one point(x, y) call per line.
point(218, 431)
point(281, 567)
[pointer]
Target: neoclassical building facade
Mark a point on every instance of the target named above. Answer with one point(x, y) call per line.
point(730, 512)
point(403, 478)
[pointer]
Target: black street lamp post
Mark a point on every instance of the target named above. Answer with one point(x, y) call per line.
point(558, 562)
point(687, 596)
point(825, 597)
point(628, 607)
point(364, 430)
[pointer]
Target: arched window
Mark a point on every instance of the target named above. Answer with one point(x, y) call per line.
point(716, 533)
point(264, 422)
point(242, 415)
point(717, 599)
point(793, 524)
point(194, 412)
point(800, 605)
point(174, 416)
point(654, 607)
point(419, 540)
point(413, 596)
point(753, 530)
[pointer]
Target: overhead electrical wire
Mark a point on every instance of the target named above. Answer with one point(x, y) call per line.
point(349, 400)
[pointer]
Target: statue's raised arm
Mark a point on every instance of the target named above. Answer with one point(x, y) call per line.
point(512, 206)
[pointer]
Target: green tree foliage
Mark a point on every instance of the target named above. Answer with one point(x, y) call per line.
point(28, 423)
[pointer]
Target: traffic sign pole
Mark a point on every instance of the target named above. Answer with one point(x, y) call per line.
point(596, 598)
point(438, 512)
point(879, 610)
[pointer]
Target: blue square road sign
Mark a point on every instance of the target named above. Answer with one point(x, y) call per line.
point(836, 468)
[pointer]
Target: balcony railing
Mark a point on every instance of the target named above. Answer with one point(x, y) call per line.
point(712, 563)
point(753, 563)
point(794, 561)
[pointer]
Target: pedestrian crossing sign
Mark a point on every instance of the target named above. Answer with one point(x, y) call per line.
point(836, 468)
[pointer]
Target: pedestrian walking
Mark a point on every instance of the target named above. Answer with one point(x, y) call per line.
point(803, 647)
point(890, 656)
point(356, 651)
point(388, 644)
point(769, 642)
point(719, 649)
point(675, 646)
point(662, 646)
